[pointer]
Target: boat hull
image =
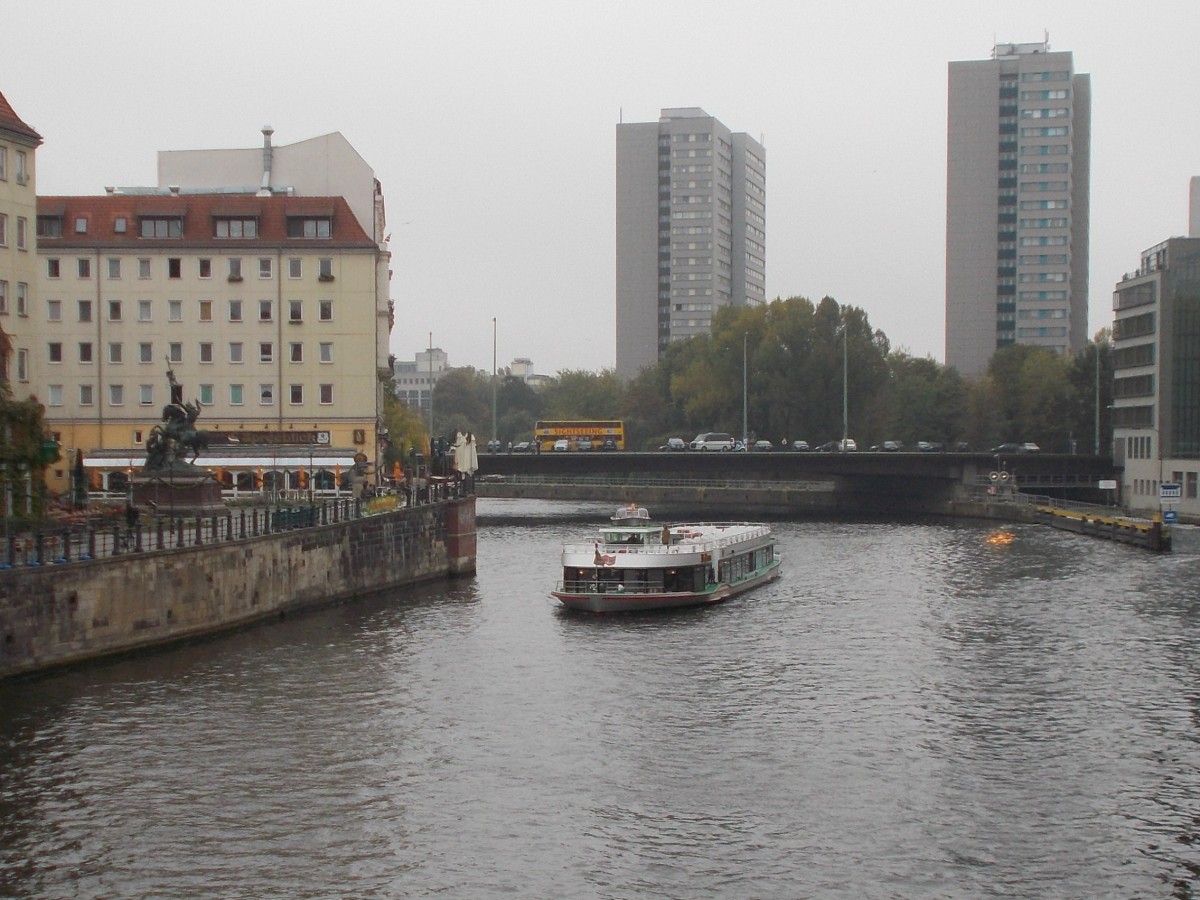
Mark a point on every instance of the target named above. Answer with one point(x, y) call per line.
point(620, 601)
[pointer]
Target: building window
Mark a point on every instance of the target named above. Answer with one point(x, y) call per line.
point(22, 299)
point(174, 267)
point(22, 168)
point(296, 352)
point(326, 351)
point(235, 269)
point(310, 227)
point(53, 269)
point(235, 352)
point(144, 311)
point(206, 395)
point(245, 227)
point(120, 224)
point(205, 310)
point(205, 268)
point(264, 267)
point(85, 351)
point(53, 310)
point(235, 395)
point(81, 225)
point(266, 351)
point(22, 365)
point(264, 310)
point(22, 233)
point(84, 268)
point(161, 226)
point(206, 352)
point(295, 394)
point(295, 267)
point(295, 310)
point(3, 164)
point(235, 310)
point(175, 352)
point(175, 310)
point(116, 395)
point(85, 395)
point(4, 298)
point(3, 230)
point(325, 270)
point(143, 268)
point(266, 394)
point(115, 354)
point(54, 395)
point(114, 267)
point(55, 352)
point(326, 394)
point(325, 311)
point(145, 352)
point(114, 310)
point(146, 395)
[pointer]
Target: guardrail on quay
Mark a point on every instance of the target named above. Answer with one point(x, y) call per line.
point(100, 537)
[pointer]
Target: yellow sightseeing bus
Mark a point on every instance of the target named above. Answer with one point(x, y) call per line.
point(579, 434)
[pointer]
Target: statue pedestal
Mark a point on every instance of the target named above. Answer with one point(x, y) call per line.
point(177, 492)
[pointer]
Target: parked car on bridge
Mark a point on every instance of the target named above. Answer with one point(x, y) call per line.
point(763, 446)
point(674, 445)
point(493, 446)
point(800, 446)
point(713, 440)
point(609, 444)
point(584, 444)
point(1027, 447)
point(562, 445)
point(523, 447)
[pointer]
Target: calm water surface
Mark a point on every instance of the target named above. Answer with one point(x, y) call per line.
point(910, 711)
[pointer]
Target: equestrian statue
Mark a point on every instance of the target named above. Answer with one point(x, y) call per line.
point(168, 443)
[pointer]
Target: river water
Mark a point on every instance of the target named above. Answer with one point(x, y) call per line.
point(911, 711)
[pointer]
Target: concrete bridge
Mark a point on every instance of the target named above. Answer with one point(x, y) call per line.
point(789, 483)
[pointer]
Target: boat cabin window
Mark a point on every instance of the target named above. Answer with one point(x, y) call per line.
point(623, 537)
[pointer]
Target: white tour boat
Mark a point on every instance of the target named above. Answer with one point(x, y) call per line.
point(636, 564)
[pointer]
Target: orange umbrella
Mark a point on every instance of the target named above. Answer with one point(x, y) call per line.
point(396, 472)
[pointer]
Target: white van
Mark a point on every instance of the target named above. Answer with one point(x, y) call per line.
point(712, 440)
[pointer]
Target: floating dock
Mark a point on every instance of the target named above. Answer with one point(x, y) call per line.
point(1148, 534)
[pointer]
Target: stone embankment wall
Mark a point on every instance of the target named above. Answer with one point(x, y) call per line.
point(57, 615)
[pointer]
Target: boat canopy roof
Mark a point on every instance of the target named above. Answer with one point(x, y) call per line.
point(631, 513)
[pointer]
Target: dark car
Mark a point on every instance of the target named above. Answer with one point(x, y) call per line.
point(762, 446)
point(674, 445)
point(609, 444)
point(523, 447)
point(1026, 447)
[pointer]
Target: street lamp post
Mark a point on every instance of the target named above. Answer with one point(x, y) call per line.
point(845, 379)
point(745, 393)
point(431, 393)
point(494, 436)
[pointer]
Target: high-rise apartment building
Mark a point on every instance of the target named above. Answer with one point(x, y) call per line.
point(691, 230)
point(1017, 187)
point(1156, 376)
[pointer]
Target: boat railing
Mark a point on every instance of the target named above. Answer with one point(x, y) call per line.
point(593, 586)
point(747, 531)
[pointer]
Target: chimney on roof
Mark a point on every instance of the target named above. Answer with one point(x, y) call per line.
point(265, 188)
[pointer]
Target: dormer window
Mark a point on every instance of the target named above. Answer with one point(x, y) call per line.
point(235, 227)
point(310, 226)
point(161, 226)
point(81, 225)
point(49, 226)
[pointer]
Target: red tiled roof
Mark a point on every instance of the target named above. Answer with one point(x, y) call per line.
point(198, 212)
point(11, 122)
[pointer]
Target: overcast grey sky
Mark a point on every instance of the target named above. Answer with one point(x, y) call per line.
point(491, 127)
